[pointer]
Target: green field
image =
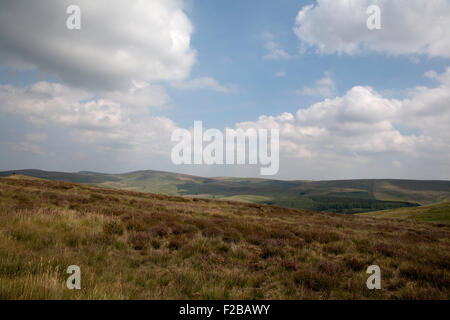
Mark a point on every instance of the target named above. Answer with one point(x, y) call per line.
point(439, 213)
point(342, 196)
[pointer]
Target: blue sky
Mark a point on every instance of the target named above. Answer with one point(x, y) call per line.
point(108, 96)
point(232, 51)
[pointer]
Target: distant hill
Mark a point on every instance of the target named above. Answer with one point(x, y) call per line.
point(439, 212)
point(340, 196)
point(132, 245)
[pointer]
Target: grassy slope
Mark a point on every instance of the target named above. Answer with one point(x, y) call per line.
point(133, 245)
point(346, 196)
point(439, 213)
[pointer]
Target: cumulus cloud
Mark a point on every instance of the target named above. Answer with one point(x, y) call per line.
point(45, 102)
point(407, 27)
point(427, 110)
point(342, 137)
point(138, 96)
point(104, 77)
point(324, 87)
point(105, 122)
point(54, 104)
point(362, 127)
point(118, 44)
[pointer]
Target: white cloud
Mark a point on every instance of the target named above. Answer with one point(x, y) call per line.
point(427, 109)
point(358, 134)
point(37, 137)
point(204, 83)
point(361, 129)
point(324, 87)
point(28, 147)
point(443, 78)
point(120, 43)
point(408, 27)
point(139, 96)
point(280, 74)
point(103, 122)
point(45, 102)
point(31, 145)
point(274, 50)
point(108, 74)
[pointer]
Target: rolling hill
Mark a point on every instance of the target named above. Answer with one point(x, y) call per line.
point(132, 245)
point(439, 212)
point(341, 196)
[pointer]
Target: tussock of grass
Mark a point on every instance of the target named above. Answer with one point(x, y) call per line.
point(132, 245)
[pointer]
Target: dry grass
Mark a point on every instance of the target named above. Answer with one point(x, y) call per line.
point(133, 245)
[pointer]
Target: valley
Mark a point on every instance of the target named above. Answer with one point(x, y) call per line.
point(341, 196)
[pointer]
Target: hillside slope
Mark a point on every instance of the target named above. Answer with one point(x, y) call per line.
point(342, 196)
point(439, 213)
point(132, 245)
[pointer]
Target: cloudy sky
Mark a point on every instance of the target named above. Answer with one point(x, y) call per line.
point(349, 102)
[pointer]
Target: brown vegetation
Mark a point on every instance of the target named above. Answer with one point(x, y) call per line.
point(132, 245)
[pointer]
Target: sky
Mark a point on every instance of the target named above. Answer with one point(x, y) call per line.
point(349, 102)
